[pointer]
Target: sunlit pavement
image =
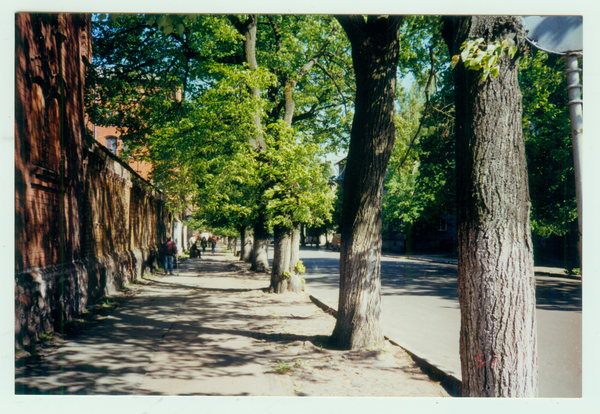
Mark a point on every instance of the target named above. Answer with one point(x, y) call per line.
point(212, 330)
point(421, 313)
point(185, 334)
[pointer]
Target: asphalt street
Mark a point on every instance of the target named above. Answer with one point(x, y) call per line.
point(421, 313)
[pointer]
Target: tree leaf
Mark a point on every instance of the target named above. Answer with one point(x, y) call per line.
point(454, 62)
point(464, 55)
point(485, 73)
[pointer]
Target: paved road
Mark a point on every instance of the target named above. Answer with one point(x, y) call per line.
point(421, 313)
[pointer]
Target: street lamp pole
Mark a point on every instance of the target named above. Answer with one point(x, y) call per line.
point(576, 112)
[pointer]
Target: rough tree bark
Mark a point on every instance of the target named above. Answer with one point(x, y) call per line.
point(375, 49)
point(281, 260)
point(496, 285)
point(284, 276)
point(260, 260)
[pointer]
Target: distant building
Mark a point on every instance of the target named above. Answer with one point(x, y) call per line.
point(109, 137)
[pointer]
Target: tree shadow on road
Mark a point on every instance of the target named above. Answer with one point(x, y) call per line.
point(416, 278)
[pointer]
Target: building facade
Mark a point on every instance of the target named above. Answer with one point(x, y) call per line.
point(85, 222)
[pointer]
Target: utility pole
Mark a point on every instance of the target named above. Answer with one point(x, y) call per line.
point(563, 35)
point(576, 112)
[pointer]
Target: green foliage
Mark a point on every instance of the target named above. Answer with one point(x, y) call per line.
point(417, 34)
point(300, 192)
point(546, 127)
point(282, 367)
point(401, 203)
point(323, 94)
point(47, 337)
point(419, 185)
point(477, 54)
point(422, 187)
point(300, 267)
point(178, 90)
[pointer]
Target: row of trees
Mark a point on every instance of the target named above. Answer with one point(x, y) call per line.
point(234, 113)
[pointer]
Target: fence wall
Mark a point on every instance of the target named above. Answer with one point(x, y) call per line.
point(85, 223)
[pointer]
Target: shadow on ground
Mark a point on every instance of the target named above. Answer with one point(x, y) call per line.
point(185, 330)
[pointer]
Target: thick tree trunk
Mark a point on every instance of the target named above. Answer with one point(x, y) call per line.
point(496, 284)
point(260, 248)
point(375, 58)
point(284, 276)
point(246, 243)
point(281, 260)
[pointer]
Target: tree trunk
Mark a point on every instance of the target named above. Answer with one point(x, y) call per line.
point(295, 283)
point(248, 29)
point(260, 248)
point(375, 50)
point(246, 243)
point(284, 276)
point(281, 260)
point(231, 243)
point(496, 284)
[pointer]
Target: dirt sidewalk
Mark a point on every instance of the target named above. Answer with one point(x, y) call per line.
point(212, 330)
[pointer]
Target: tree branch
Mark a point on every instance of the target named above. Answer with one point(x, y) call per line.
point(348, 127)
point(427, 106)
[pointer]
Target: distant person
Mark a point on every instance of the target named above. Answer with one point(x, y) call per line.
point(204, 243)
point(213, 243)
point(194, 251)
point(169, 249)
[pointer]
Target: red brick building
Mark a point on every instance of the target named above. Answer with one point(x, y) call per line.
point(85, 222)
point(109, 137)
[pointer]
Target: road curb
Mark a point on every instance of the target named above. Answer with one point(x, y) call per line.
point(437, 373)
point(421, 259)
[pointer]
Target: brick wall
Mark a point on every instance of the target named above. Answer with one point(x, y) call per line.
point(85, 223)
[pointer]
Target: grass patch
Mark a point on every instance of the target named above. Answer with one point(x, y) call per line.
point(282, 367)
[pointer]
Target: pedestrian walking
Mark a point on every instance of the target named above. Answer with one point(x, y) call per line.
point(194, 251)
point(213, 243)
point(169, 249)
point(204, 243)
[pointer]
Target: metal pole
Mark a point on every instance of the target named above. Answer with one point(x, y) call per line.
point(576, 112)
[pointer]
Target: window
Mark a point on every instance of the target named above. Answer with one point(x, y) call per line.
point(111, 144)
point(443, 225)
